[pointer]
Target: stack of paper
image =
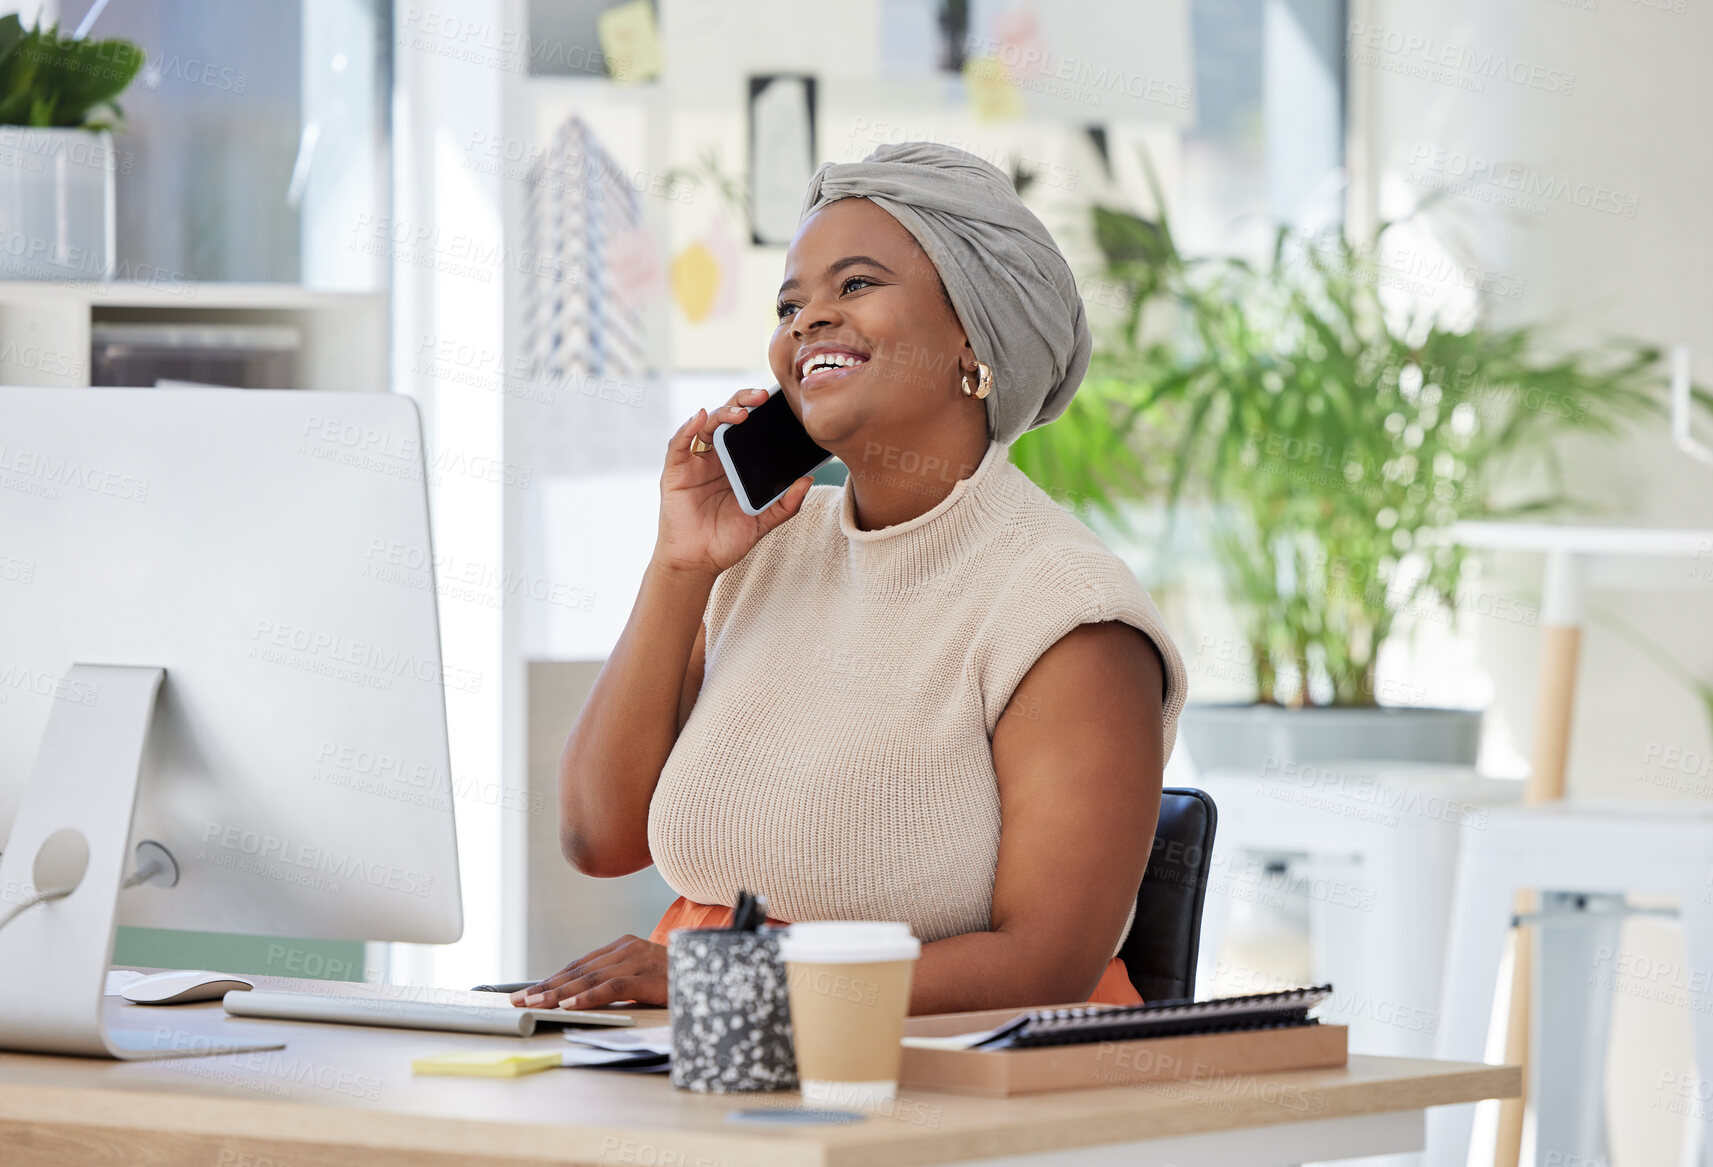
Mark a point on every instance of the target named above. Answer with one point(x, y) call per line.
point(642, 1051)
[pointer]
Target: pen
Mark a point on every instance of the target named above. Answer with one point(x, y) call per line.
point(749, 912)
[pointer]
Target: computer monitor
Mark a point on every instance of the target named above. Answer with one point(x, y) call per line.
point(216, 606)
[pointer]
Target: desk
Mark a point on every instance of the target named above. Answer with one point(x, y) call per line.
point(1569, 1059)
point(344, 1096)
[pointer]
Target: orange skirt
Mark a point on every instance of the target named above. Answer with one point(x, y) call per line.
point(1114, 988)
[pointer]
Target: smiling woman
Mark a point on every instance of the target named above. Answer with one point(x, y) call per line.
point(929, 695)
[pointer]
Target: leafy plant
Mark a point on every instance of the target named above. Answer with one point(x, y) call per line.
point(47, 80)
point(1336, 439)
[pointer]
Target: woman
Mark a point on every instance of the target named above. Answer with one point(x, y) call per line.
point(929, 695)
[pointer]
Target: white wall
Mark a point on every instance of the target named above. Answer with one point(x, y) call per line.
point(452, 70)
point(1631, 133)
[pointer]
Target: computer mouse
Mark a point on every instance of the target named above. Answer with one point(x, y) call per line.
point(182, 987)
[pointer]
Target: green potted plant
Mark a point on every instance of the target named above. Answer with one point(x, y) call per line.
point(58, 104)
point(1333, 440)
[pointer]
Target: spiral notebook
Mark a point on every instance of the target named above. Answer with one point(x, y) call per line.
point(1044, 1027)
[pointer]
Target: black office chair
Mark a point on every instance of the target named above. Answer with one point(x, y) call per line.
point(1160, 952)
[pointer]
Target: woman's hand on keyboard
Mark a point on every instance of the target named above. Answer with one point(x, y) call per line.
point(628, 969)
point(702, 527)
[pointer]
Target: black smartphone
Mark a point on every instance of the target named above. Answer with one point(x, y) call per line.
point(767, 452)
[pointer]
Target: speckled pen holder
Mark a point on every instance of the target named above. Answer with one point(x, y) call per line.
point(731, 1014)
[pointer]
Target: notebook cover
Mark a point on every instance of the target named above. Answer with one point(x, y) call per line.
point(1215, 1062)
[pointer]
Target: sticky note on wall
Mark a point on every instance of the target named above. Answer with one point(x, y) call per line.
point(630, 41)
point(993, 94)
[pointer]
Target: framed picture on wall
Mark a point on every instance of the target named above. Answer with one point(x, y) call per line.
point(781, 153)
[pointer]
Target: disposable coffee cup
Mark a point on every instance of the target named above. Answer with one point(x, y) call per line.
point(849, 985)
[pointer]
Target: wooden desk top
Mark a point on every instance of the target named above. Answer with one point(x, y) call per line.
point(345, 1095)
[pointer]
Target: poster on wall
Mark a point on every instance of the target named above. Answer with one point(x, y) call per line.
point(781, 153)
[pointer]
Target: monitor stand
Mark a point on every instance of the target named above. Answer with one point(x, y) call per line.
point(54, 956)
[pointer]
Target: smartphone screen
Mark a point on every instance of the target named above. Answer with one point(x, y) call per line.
point(770, 449)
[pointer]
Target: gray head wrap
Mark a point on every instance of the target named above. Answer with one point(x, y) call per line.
point(1008, 282)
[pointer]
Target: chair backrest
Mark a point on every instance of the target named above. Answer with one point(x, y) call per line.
point(1160, 952)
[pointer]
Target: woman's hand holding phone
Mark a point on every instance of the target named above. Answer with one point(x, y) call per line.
point(702, 527)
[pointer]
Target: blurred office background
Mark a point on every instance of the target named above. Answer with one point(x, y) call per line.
point(559, 224)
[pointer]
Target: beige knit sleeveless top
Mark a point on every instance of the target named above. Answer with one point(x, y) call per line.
point(839, 758)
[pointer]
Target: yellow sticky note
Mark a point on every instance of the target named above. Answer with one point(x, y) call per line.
point(993, 94)
point(488, 1063)
point(629, 41)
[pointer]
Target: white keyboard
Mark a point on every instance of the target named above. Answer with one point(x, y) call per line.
point(409, 1007)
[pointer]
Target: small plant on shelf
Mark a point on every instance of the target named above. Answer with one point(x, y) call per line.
point(49, 81)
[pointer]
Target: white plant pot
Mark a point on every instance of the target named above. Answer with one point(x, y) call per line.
point(1254, 738)
point(56, 204)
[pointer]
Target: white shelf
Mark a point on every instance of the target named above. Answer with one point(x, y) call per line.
point(45, 326)
point(189, 296)
point(1613, 540)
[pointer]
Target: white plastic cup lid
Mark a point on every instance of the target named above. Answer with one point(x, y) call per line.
point(848, 942)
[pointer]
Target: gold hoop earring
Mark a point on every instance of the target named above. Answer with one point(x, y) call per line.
point(984, 381)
